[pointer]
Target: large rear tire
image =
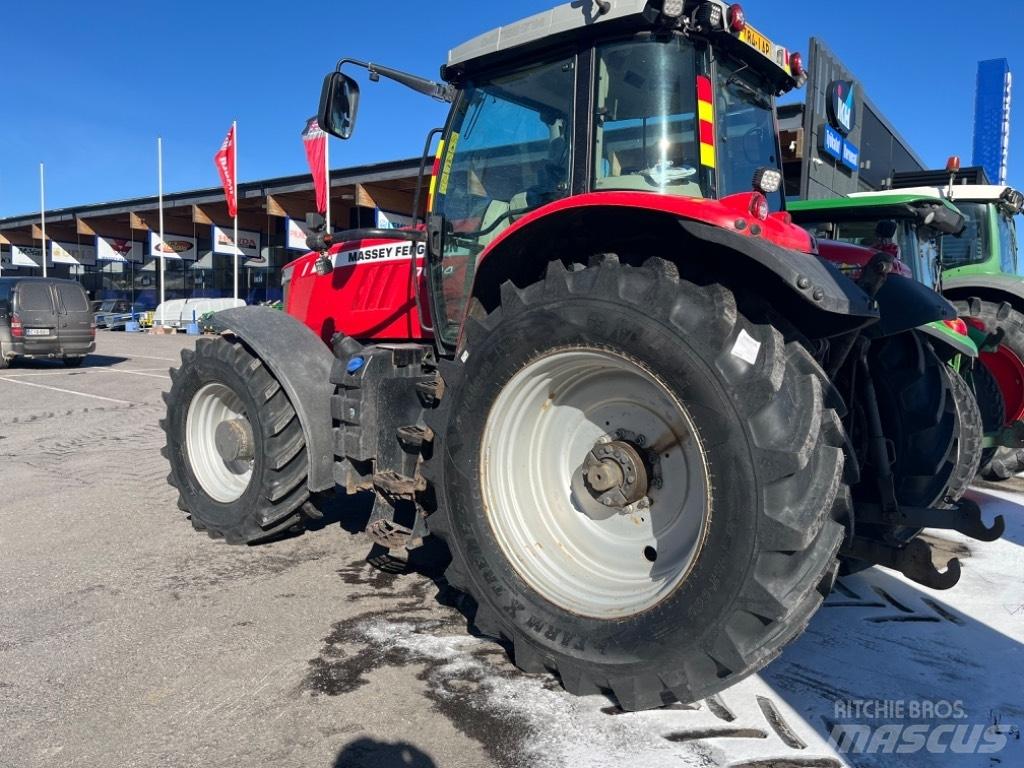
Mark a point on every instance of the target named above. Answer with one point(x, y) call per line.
point(1006, 364)
point(235, 445)
point(652, 603)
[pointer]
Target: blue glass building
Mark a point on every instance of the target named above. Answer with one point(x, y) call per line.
point(992, 118)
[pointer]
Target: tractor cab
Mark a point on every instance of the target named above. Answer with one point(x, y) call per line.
point(596, 101)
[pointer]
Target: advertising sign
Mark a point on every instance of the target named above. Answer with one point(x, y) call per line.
point(173, 246)
point(248, 245)
point(841, 107)
point(851, 156)
point(118, 249)
point(391, 220)
point(834, 145)
point(72, 253)
point(297, 234)
point(26, 256)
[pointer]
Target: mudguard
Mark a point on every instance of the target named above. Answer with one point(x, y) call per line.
point(906, 304)
point(942, 334)
point(302, 365)
point(1010, 285)
point(813, 280)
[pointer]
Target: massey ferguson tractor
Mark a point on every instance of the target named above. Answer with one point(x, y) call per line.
point(605, 369)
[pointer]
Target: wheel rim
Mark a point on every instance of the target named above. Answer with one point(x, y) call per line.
point(1008, 370)
point(567, 546)
point(223, 480)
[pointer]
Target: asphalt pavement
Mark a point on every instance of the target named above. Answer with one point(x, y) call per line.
point(128, 639)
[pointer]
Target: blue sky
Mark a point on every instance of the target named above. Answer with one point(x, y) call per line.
point(87, 87)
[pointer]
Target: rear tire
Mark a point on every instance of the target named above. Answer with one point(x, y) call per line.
point(993, 413)
point(970, 435)
point(1006, 366)
point(243, 501)
point(750, 404)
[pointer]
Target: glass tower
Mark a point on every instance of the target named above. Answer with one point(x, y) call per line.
point(992, 118)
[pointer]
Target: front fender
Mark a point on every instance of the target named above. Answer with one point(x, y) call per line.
point(302, 365)
point(941, 333)
point(1007, 287)
point(905, 304)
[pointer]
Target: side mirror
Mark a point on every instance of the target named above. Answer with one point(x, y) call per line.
point(339, 102)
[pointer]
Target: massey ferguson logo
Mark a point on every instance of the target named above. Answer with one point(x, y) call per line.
point(841, 106)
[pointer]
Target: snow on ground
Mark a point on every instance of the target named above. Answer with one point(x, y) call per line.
point(914, 677)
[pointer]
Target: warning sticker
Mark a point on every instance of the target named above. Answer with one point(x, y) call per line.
point(746, 348)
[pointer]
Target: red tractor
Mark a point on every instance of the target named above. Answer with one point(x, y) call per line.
point(606, 369)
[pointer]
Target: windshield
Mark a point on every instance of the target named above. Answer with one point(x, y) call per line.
point(747, 138)
point(972, 246)
point(645, 127)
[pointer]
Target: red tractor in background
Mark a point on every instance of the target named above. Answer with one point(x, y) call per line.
point(607, 371)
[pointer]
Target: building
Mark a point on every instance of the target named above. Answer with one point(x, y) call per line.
point(112, 247)
point(992, 118)
point(838, 141)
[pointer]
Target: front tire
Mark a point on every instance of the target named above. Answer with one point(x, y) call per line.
point(235, 445)
point(710, 581)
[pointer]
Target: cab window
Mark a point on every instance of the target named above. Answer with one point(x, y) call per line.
point(72, 298)
point(1007, 245)
point(34, 297)
point(971, 247)
point(507, 153)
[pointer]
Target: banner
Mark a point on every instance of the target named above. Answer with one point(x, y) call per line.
point(118, 249)
point(248, 245)
point(26, 256)
point(173, 247)
point(72, 253)
point(225, 162)
point(315, 141)
point(297, 234)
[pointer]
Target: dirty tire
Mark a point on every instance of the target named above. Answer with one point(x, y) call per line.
point(5, 362)
point(1003, 463)
point(771, 445)
point(272, 502)
point(992, 408)
point(970, 434)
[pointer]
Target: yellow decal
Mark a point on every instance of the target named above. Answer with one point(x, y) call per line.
point(446, 173)
point(707, 155)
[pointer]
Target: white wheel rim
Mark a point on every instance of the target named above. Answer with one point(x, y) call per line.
point(224, 481)
point(540, 429)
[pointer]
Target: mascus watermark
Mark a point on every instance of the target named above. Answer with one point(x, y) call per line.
point(910, 726)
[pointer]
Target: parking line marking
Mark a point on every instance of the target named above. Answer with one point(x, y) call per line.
point(150, 357)
point(66, 391)
point(134, 373)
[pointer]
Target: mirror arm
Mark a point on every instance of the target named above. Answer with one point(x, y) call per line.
point(440, 91)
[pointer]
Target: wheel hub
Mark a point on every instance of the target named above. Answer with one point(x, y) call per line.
point(615, 474)
point(234, 440)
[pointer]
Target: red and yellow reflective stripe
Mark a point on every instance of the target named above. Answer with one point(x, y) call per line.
point(706, 121)
point(435, 173)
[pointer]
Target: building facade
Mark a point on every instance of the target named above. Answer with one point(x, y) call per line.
point(114, 249)
point(838, 141)
point(992, 118)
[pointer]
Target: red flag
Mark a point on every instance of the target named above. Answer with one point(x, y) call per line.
point(316, 147)
point(225, 162)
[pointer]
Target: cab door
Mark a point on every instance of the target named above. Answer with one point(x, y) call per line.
point(37, 311)
point(74, 318)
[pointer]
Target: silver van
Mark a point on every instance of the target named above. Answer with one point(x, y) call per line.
point(45, 317)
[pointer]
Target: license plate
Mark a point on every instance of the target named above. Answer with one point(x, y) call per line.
point(37, 331)
point(756, 40)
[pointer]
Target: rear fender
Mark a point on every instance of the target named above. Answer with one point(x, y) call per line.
point(302, 365)
point(955, 342)
point(813, 295)
point(994, 288)
point(906, 304)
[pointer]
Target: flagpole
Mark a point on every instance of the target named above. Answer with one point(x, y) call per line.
point(234, 131)
point(42, 212)
point(327, 175)
point(160, 182)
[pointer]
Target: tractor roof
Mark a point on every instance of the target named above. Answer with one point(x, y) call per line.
point(565, 23)
point(964, 192)
point(926, 207)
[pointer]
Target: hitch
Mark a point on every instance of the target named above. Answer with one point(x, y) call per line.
point(914, 559)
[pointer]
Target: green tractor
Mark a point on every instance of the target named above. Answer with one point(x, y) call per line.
point(980, 273)
point(913, 227)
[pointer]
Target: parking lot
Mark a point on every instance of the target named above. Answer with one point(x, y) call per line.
point(128, 639)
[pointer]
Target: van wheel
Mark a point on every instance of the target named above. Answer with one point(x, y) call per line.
point(5, 362)
point(73, 362)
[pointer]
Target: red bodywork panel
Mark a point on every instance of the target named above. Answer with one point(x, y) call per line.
point(851, 259)
point(367, 295)
point(778, 228)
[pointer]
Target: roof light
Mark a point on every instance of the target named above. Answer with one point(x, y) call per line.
point(953, 164)
point(796, 65)
point(736, 18)
point(767, 180)
point(672, 9)
point(759, 206)
point(709, 16)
